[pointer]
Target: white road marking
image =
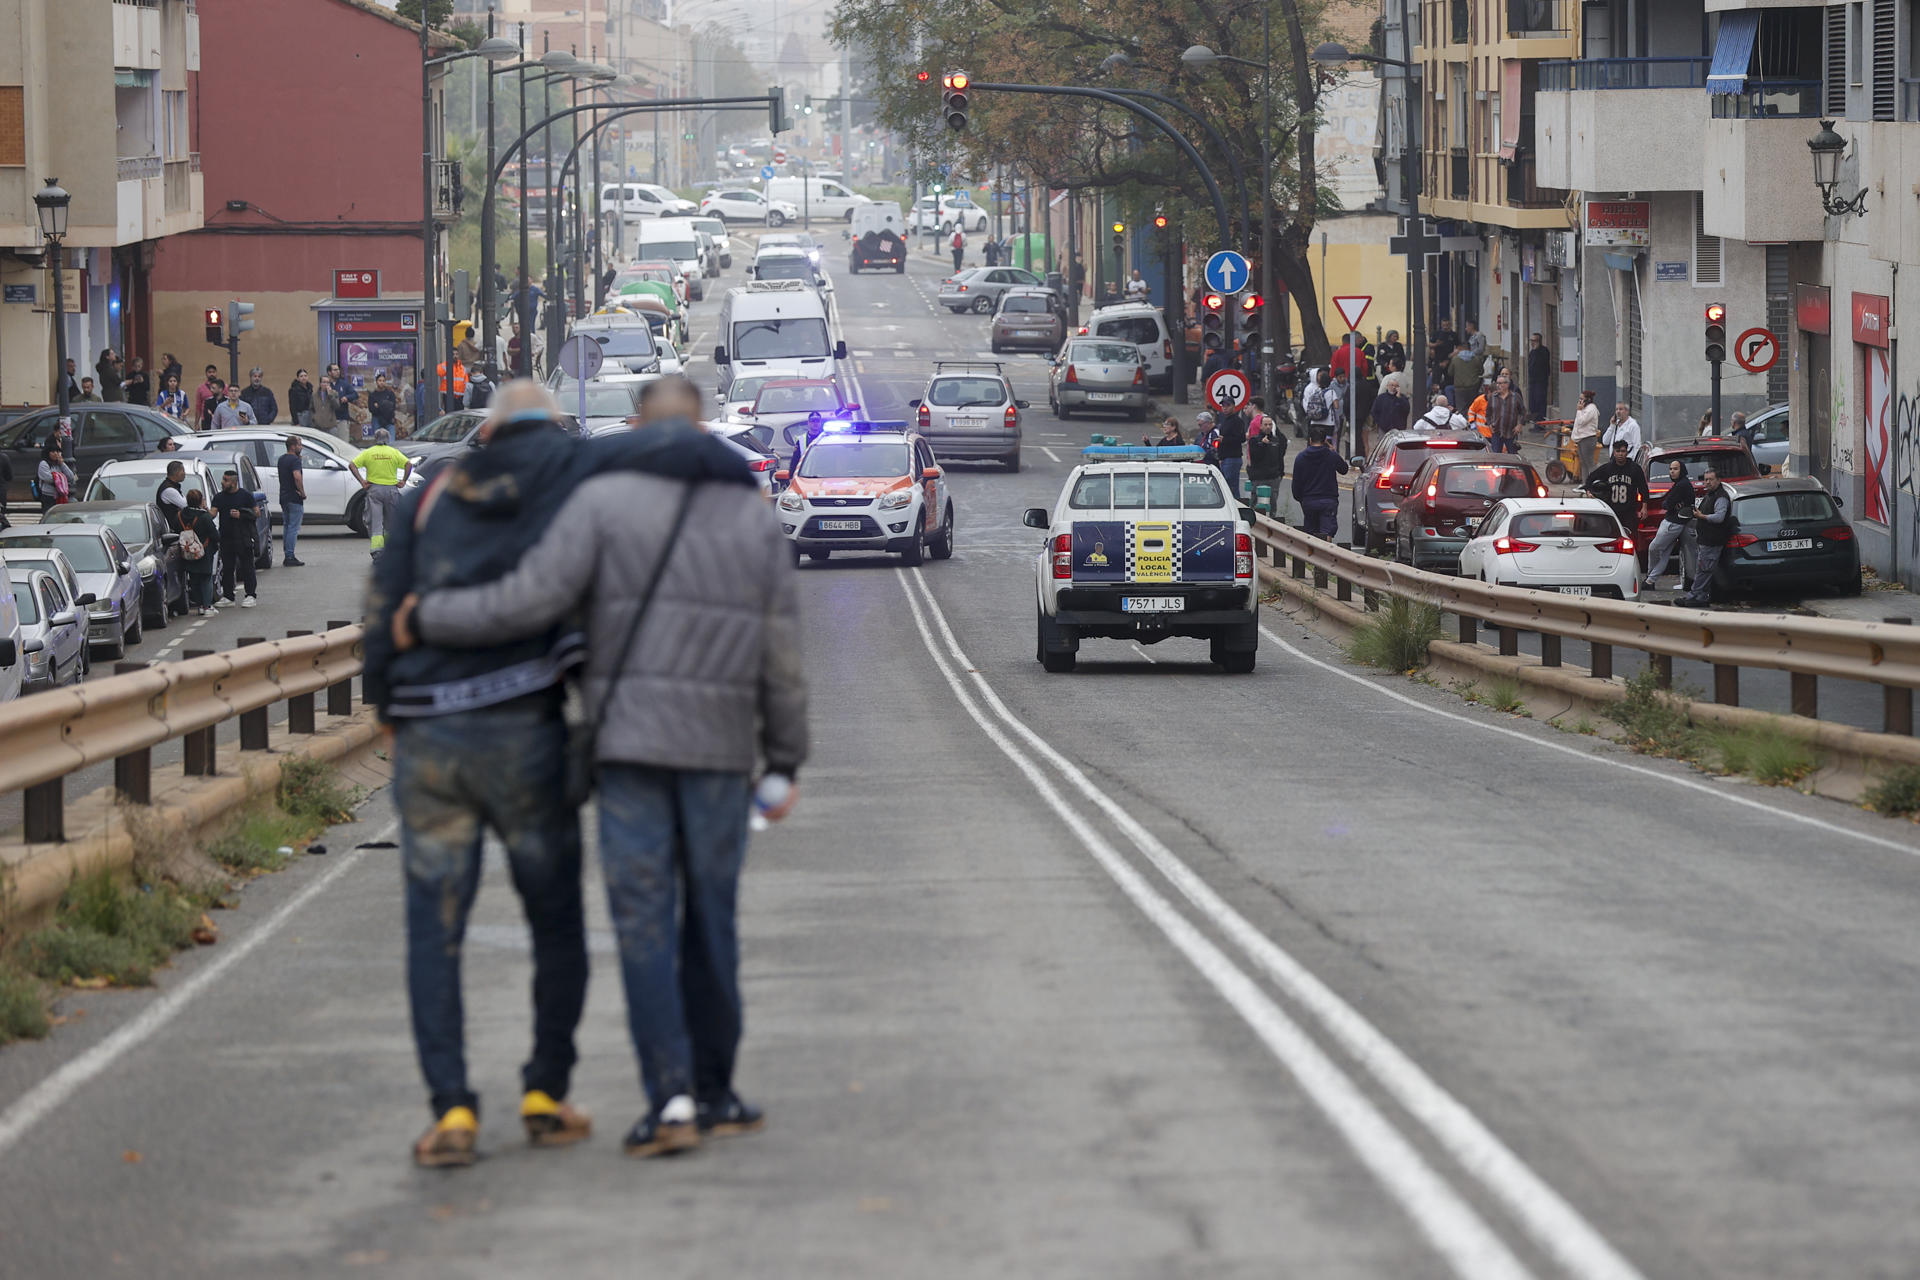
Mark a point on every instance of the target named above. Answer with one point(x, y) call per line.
point(1143, 653)
point(1546, 1216)
point(41, 1101)
point(1603, 758)
point(1449, 1222)
point(1050, 453)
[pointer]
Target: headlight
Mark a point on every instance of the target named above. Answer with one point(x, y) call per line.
point(791, 501)
point(147, 566)
point(38, 661)
point(895, 500)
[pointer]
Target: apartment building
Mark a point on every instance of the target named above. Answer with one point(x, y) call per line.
point(99, 95)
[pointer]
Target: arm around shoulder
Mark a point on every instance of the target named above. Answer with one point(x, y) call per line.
point(548, 582)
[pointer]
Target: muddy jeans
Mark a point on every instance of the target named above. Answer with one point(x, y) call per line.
point(456, 776)
point(671, 846)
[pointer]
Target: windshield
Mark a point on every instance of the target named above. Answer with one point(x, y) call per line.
point(604, 399)
point(1104, 352)
point(1026, 302)
point(1732, 464)
point(855, 459)
point(746, 390)
point(623, 342)
point(451, 429)
point(953, 393)
point(84, 551)
point(797, 399)
point(1487, 480)
point(1565, 524)
point(125, 486)
point(1805, 507)
point(130, 522)
point(656, 275)
point(783, 267)
point(676, 250)
point(780, 339)
point(712, 226)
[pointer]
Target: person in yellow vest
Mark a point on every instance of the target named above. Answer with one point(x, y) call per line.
point(453, 391)
point(381, 470)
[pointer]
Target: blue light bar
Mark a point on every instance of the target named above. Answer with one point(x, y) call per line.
point(1143, 453)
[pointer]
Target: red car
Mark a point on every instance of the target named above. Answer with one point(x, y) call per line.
point(1449, 494)
point(1727, 455)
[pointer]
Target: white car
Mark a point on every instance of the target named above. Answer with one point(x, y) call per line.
point(741, 204)
point(1141, 548)
point(943, 213)
point(1571, 545)
point(671, 361)
point(333, 496)
point(716, 227)
point(864, 489)
point(610, 400)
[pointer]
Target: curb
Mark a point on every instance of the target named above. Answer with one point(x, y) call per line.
point(1851, 759)
point(36, 875)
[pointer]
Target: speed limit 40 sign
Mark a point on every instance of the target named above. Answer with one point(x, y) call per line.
point(1228, 389)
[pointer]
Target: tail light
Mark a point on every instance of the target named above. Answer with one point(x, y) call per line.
point(1072, 374)
point(1617, 546)
point(761, 464)
point(1242, 555)
point(1140, 376)
point(925, 416)
point(1386, 478)
point(1838, 533)
point(1513, 546)
point(1540, 490)
point(1013, 416)
point(963, 289)
point(1742, 540)
point(1063, 556)
point(1166, 348)
point(1433, 490)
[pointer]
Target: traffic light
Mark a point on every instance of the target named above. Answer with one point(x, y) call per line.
point(1213, 322)
point(1159, 222)
point(216, 327)
point(777, 121)
point(1119, 237)
point(806, 105)
point(1716, 333)
point(923, 76)
point(1251, 303)
point(239, 318)
point(954, 94)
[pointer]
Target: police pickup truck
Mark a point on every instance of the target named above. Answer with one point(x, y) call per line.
point(1141, 545)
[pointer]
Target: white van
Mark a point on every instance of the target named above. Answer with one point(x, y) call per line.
point(816, 197)
point(670, 239)
point(13, 663)
point(643, 200)
point(777, 327)
point(1141, 324)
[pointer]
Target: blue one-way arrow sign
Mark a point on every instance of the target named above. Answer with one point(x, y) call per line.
point(1227, 272)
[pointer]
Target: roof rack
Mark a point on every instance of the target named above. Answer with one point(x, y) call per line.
point(997, 366)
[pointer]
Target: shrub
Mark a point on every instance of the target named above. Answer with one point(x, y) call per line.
point(23, 1007)
point(102, 930)
point(1504, 695)
point(309, 789)
point(1897, 792)
point(1398, 639)
point(1766, 755)
point(1655, 721)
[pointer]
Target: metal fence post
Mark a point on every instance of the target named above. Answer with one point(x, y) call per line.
point(1319, 578)
point(1726, 684)
point(340, 693)
point(1602, 661)
point(199, 754)
point(43, 819)
point(133, 772)
point(1469, 629)
point(1549, 650)
point(1806, 695)
point(1897, 700)
point(1509, 642)
point(1342, 589)
point(253, 724)
point(1662, 665)
point(300, 705)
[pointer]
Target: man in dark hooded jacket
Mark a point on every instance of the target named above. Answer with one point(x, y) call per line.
point(479, 742)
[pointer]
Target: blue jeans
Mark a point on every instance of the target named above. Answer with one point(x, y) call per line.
point(671, 846)
point(454, 777)
point(291, 514)
point(1320, 517)
point(1230, 468)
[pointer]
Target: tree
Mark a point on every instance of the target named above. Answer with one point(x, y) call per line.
point(1081, 143)
point(438, 11)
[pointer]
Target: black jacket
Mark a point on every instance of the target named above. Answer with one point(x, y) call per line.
point(1714, 522)
point(265, 405)
point(1233, 434)
point(299, 398)
point(1622, 486)
point(494, 504)
point(382, 403)
point(1267, 457)
point(1314, 473)
point(1679, 502)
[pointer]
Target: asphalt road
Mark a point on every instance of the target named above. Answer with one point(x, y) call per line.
point(1142, 971)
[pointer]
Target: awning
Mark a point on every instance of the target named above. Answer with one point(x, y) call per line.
point(1509, 108)
point(1619, 261)
point(1733, 51)
point(137, 78)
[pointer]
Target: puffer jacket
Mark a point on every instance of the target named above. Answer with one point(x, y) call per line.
point(714, 677)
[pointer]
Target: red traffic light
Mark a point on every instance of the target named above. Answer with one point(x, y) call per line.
point(1213, 302)
point(1252, 302)
point(923, 76)
point(958, 80)
point(1716, 314)
point(1160, 221)
point(213, 315)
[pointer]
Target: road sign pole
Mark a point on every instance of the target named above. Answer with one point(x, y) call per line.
point(1353, 392)
point(1718, 426)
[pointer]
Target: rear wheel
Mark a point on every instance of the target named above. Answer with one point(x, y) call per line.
point(982, 305)
point(357, 514)
point(900, 267)
point(1012, 461)
point(776, 219)
point(134, 632)
point(1236, 664)
point(1556, 473)
point(942, 544)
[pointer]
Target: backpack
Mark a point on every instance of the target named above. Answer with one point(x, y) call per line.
point(190, 545)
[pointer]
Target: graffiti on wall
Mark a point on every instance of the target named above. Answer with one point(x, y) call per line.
point(1877, 436)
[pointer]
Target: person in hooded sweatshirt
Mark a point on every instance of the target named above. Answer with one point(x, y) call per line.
point(1316, 485)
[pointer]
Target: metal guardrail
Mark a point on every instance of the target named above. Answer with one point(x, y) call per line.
point(123, 717)
point(1807, 648)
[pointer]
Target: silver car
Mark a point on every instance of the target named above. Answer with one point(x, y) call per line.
point(968, 411)
point(106, 581)
point(1094, 373)
point(979, 288)
point(53, 632)
point(1769, 445)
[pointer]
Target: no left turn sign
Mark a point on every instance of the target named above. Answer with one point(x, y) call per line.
point(1228, 389)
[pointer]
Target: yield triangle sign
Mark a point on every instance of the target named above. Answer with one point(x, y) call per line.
point(1353, 307)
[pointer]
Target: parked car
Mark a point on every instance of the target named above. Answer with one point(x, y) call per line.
point(1769, 447)
point(102, 433)
point(240, 459)
point(138, 479)
point(1385, 476)
point(1727, 455)
point(1788, 533)
point(53, 631)
point(155, 549)
point(1447, 500)
point(333, 496)
point(1027, 321)
point(969, 411)
point(978, 289)
point(13, 663)
point(1090, 373)
point(1574, 546)
point(741, 204)
point(1141, 324)
point(105, 570)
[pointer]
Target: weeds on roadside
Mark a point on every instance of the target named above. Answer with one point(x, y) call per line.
point(1469, 691)
point(249, 843)
point(104, 931)
point(1896, 793)
point(1504, 695)
point(23, 1007)
point(1655, 720)
point(310, 789)
point(1398, 638)
point(1766, 755)
point(1585, 727)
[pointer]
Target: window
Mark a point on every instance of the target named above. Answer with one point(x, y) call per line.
point(29, 607)
point(804, 399)
point(1163, 489)
point(967, 393)
point(108, 429)
point(1104, 352)
point(1566, 524)
point(1886, 60)
point(1706, 248)
point(1836, 63)
point(1487, 480)
point(800, 337)
point(1805, 507)
point(173, 140)
point(1134, 329)
point(13, 125)
point(855, 459)
point(52, 599)
point(152, 430)
point(1027, 303)
point(1199, 490)
point(1130, 490)
point(1092, 493)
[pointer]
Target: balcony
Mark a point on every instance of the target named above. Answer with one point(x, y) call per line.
point(136, 34)
point(1768, 99)
point(1591, 119)
point(1460, 177)
point(1532, 18)
point(1756, 182)
point(1524, 192)
point(184, 204)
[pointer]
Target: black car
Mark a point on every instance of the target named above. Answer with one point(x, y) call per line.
point(154, 548)
point(102, 433)
point(1788, 532)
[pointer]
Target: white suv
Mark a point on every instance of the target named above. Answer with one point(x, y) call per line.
point(865, 489)
point(740, 204)
point(1141, 324)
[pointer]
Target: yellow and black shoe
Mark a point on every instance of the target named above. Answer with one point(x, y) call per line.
point(450, 1143)
point(550, 1123)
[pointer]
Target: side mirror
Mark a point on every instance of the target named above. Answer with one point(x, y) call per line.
point(1037, 518)
point(930, 473)
point(169, 539)
point(783, 475)
point(913, 404)
point(125, 566)
point(1838, 501)
point(840, 349)
point(749, 273)
point(87, 599)
point(1765, 469)
point(66, 619)
point(33, 646)
point(1359, 463)
point(9, 653)
point(1021, 404)
point(1248, 514)
point(846, 235)
point(720, 356)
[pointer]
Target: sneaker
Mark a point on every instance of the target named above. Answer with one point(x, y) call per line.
point(450, 1143)
point(294, 564)
point(248, 603)
point(730, 1116)
point(550, 1123)
point(670, 1129)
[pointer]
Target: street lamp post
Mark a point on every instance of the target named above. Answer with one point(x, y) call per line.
point(51, 202)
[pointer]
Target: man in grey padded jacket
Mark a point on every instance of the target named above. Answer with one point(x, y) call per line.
point(711, 686)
